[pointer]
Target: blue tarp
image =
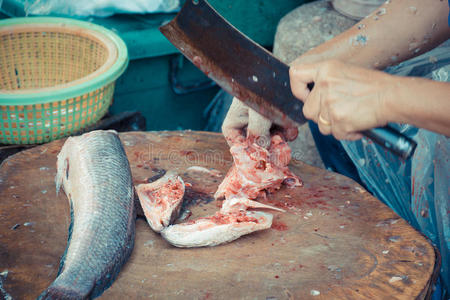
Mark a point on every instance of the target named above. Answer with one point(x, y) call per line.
point(418, 189)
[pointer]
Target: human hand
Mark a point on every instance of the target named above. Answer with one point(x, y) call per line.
point(345, 99)
point(242, 121)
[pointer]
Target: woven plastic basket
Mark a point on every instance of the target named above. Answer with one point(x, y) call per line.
point(57, 76)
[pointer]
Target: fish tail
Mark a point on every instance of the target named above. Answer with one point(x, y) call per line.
point(64, 287)
point(54, 292)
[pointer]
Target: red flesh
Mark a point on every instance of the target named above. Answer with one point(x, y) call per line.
point(257, 169)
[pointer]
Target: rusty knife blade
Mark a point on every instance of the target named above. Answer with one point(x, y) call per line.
point(237, 64)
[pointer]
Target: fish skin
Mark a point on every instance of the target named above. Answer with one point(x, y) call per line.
point(161, 200)
point(211, 232)
point(94, 171)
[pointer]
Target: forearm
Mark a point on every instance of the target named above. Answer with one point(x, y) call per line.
point(420, 102)
point(397, 31)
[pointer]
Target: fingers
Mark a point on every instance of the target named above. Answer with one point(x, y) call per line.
point(235, 120)
point(300, 75)
point(259, 126)
point(324, 123)
point(312, 106)
point(330, 102)
point(314, 109)
point(290, 133)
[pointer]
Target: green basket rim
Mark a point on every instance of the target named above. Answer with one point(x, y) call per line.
point(105, 78)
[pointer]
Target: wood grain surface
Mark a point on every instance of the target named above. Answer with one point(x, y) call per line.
point(335, 240)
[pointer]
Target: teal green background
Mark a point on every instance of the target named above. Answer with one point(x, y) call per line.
point(145, 84)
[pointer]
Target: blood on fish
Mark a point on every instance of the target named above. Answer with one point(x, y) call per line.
point(161, 200)
point(256, 169)
point(261, 165)
point(238, 218)
point(220, 218)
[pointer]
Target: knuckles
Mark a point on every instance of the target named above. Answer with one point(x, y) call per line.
point(336, 114)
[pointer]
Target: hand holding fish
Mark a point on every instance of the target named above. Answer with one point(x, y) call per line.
point(242, 121)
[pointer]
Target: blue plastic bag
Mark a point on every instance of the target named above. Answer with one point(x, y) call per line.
point(418, 189)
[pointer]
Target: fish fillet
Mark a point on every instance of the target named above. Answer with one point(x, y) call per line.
point(215, 230)
point(95, 174)
point(161, 200)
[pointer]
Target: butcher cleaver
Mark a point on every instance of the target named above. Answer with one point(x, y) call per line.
point(249, 72)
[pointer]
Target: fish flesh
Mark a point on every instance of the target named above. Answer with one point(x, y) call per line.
point(161, 200)
point(256, 169)
point(95, 174)
point(215, 230)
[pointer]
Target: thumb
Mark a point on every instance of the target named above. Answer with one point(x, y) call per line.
point(300, 75)
point(235, 120)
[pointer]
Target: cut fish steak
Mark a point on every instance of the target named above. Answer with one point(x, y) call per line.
point(217, 229)
point(95, 174)
point(161, 200)
point(256, 170)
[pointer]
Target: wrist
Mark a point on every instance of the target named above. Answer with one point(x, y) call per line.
point(395, 102)
point(334, 49)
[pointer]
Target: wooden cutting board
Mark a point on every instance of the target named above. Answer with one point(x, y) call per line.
point(335, 240)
